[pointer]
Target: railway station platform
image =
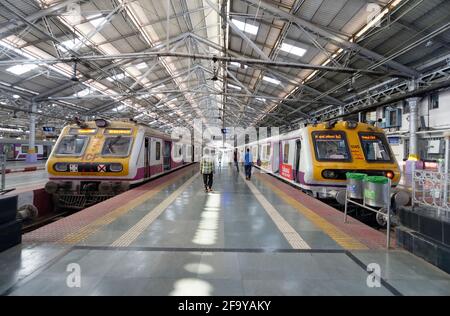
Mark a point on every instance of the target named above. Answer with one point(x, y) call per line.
point(25, 179)
point(169, 237)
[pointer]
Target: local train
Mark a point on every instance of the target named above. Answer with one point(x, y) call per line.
point(317, 157)
point(16, 149)
point(95, 160)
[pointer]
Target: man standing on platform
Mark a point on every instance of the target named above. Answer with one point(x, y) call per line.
point(207, 169)
point(248, 162)
point(236, 159)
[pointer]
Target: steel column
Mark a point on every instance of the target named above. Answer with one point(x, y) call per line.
point(413, 125)
point(32, 154)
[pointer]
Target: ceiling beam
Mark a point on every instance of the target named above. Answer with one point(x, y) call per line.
point(248, 61)
point(335, 38)
point(12, 28)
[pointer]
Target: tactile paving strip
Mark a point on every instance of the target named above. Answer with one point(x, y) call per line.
point(134, 232)
point(82, 224)
point(353, 235)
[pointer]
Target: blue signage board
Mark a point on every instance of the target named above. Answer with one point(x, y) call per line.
point(394, 140)
point(48, 129)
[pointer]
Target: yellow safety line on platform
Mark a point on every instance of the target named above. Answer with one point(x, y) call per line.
point(106, 219)
point(127, 238)
point(344, 240)
point(291, 235)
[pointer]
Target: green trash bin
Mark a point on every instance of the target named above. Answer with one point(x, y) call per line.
point(355, 185)
point(376, 191)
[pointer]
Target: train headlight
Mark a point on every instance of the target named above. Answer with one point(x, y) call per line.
point(61, 166)
point(116, 167)
point(329, 174)
point(390, 175)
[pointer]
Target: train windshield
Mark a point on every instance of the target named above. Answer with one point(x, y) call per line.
point(331, 146)
point(116, 146)
point(72, 145)
point(375, 147)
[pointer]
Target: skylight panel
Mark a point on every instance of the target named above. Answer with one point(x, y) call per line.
point(70, 44)
point(234, 87)
point(120, 107)
point(246, 27)
point(238, 65)
point(141, 66)
point(98, 21)
point(271, 80)
point(83, 93)
point(21, 69)
point(116, 77)
point(294, 50)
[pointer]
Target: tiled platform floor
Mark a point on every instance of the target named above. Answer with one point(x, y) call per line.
point(242, 239)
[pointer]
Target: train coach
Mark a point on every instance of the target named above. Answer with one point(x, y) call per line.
point(317, 157)
point(16, 149)
point(95, 160)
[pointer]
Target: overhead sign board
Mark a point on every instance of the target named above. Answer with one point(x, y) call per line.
point(48, 129)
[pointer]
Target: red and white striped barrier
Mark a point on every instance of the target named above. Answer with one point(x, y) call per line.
point(25, 169)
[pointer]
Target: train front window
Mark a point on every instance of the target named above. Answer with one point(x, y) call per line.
point(375, 147)
point(330, 146)
point(72, 145)
point(116, 146)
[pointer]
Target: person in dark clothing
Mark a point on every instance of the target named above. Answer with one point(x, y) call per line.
point(236, 159)
point(248, 162)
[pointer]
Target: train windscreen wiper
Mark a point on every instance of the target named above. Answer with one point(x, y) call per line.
point(111, 150)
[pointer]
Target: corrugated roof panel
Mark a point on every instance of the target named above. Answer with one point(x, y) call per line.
point(328, 11)
point(309, 8)
point(347, 12)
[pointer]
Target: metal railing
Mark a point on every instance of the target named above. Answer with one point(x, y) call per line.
point(382, 211)
point(430, 189)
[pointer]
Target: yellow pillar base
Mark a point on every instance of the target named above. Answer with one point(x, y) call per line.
point(413, 157)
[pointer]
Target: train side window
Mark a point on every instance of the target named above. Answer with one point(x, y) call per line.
point(24, 149)
point(72, 145)
point(286, 153)
point(158, 151)
point(116, 146)
point(331, 146)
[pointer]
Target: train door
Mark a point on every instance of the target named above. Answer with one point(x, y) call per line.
point(298, 147)
point(166, 155)
point(146, 158)
point(276, 158)
point(156, 161)
point(280, 155)
point(45, 151)
point(8, 150)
